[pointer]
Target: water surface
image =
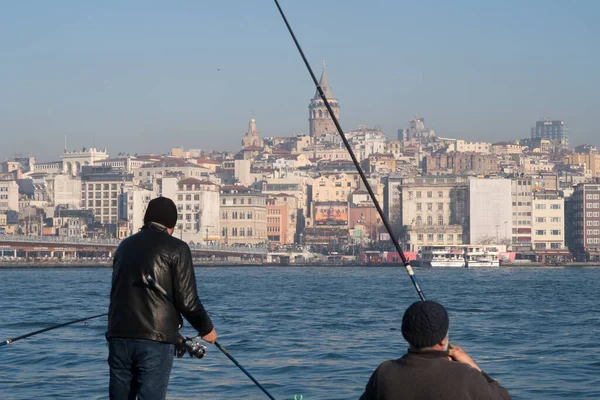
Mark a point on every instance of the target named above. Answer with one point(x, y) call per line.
point(314, 331)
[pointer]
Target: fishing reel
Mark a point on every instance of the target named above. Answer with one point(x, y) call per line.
point(191, 346)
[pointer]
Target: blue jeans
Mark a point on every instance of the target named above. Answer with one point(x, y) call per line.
point(139, 368)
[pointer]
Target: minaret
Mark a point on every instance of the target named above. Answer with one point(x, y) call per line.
point(320, 123)
point(252, 137)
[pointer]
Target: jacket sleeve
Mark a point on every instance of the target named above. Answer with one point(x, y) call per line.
point(185, 293)
point(371, 388)
point(491, 389)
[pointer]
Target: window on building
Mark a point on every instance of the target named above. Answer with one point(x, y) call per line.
point(419, 220)
point(440, 194)
point(418, 194)
point(418, 206)
point(459, 237)
point(555, 232)
point(242, 202)
point(450, 237)
point(440, 237)
point(556, 220)
point(234, 200)
point(589, 205)
point(555, 207)
point(242, 232)
point(540, 246)
point(249, 215)
point(410, 194)
point(540, 232)
point(429, 195)
point(429, 220)
point(430, 237)
point(440, 207)
point(429, 206)
point(249, 230)
point(196, 197)
point(540, 219)
point(540, 206)
point(555, 245)
point(588, 196)
point(440, 220)
point(420, 237)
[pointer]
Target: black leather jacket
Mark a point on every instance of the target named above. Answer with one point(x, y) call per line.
point(138, 311)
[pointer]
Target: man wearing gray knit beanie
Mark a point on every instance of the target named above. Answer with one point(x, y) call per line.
point(431, 369)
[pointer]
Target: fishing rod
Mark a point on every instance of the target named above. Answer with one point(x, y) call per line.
point(9, 341)
point(153, 284)
point(363, 177)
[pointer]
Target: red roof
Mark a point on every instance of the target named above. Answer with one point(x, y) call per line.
point(252, 148)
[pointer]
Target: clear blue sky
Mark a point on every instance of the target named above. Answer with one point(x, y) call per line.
point(143, 76)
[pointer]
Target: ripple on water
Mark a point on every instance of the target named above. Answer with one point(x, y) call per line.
point(318, 332)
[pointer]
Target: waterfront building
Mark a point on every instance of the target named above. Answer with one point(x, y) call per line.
point(198, 203)
point(319, 121)
point(295, 184)
point(583, 222)
point(243, 215)
point(555, 130)
point(282, 210)
point(100, 190)
point(490, 211)
point(133, 204)
point(522, 211)
point(548, 221)
point(73, 161)
point(431, 210)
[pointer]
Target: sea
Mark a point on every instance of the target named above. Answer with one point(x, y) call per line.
point(313, 332)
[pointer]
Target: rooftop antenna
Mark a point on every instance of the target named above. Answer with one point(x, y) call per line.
point(65, 150)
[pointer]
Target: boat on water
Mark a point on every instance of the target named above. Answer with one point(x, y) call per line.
point(482, 256)
point(460, 256)
point(441, 256)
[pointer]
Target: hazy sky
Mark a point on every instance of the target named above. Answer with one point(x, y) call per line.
point(143, 76)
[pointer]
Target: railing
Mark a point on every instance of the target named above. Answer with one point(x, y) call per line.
point(216, 248)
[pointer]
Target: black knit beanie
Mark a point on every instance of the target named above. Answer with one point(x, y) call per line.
point(425, 324)
point(161, 210)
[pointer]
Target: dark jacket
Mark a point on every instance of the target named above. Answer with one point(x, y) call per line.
point(428, 375)
point(138, 311)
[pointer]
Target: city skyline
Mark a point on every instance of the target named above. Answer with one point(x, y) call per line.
point(143, 80)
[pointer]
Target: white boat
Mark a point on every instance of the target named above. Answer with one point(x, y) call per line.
point(482, 256)
point(442, 256)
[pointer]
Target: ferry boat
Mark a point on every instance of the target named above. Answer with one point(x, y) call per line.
point(482, 256)
point(442, 256)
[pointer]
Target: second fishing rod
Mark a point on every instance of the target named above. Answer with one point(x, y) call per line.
point(363, 177)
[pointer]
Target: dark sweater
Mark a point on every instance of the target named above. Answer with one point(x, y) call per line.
point(428, 375)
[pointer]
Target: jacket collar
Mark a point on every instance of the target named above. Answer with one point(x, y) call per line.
point(155, 226)
point(428, 353)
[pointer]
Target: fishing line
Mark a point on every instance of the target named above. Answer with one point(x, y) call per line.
point(363, 177)
point(9, 341)
point(153, 284)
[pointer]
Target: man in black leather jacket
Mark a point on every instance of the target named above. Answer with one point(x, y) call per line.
point(143, 323)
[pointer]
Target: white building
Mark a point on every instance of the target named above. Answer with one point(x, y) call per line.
point(100, 190)
point(64, 190)
point(134, 203)
point(490, 211)
point(146, 174)
point(548, 221)
point(74, 161)
point(198, 208)
point(522, 209)
point(465, 146)
point(9, 195)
